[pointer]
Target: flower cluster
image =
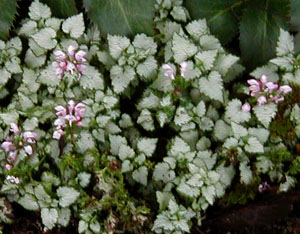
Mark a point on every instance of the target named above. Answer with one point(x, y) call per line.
point(67, 116)
point(17, 141)
point(170, 71)
point(267, 91)
point(70, 62)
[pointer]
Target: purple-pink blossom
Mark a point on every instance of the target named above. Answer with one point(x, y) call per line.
point(169, 71)
point(14, 143)
point(72, 62)
point(183, 68)
point(263, 187)
point(246, 107)
point(73, 113)
point(266, 91)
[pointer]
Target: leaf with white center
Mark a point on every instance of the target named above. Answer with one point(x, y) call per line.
point(67, 196)
point(206, 58)
point(28, 28)
point(117, 45)
point(196, 180)
point(84, 179)
point(200, 109)
point(9, 117)
point(82, 226)
point(125, 152)
point(147, 146)
point(182, 48)
point(261, 134)
point(39, 11)
point(30, 124)
point(13, 65)
point(29, 202)
point(144, 43)
point(95, 226)
point(145, 120)
point(222, 130)
point(149, 102)
point(186, 190)
point(16, 44)
point(49, 217)
point(64, 215)
point(85, 142)
point(206, 124)
point(238, 130)
point(209, 42)
point(181, 117)
point(163, 172)
point(115, 143)
point(209, 193)
point(148, 68)
point(205, 159)
point(109, 101)
point(230, 143)
point(179, 13)
point(212, 86)
point(162, 222)
point(234, 112)
point(192, 71)
point(5, 75)
point(288, 184)
point(270, 70)
point(197, 28)
point(246, 173)
point(224, 62)
point(212, 177)
point(265, 113)
point(140, 175)
point(126, 121)
point(162, 118)
point(53, 23)
point(41, 194)
point(285, 44)
point(34, 61)
point(126, 166)
point(45, 38)
point(254, 146)
point(121, 77)
point(203, 143)
point(179, 146)
point(263, 164)
point(227, 174)
point(49, 177)
point(163, 199)
point(74, 26)
point(92, 79)
point(285, 63)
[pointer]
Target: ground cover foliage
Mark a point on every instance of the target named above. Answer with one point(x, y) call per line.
point(114, 122)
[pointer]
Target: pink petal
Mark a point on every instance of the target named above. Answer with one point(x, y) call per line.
point(253, 82)
point(246, 107)
point(60, 122)
point(70, 67)
point(71, 105)
point(59, 55)
point(7, 146)
point(7, 167)
point(30, 137)
point(183, 68)
point(271, 86)
point(12, 156)
point(80, 56)
point(71, 51)
point(262, 100)
point(81, 68)
point(285, 89)
point(14, 128)
point(264, 79)
point(60, 111)
point(28, 149)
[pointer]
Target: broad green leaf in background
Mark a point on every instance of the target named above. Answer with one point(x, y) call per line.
point(62, 8)
point(7, 16)
point(259, 28)
point(122, 17)
point(220, 16)
point(295, 15)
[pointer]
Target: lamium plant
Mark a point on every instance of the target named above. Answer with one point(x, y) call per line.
point(140, 133)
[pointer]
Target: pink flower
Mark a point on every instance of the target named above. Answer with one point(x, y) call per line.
point(183, 68)
point(12, 179)
point(262, 100)
point(30, 137)
point(14, 128)
point(60, 122)
point(246, 107)
point(7, 167)
point(264, 79)
point(263, 187)
point(60, 111)
point(285, 89)
point(7, 146)
point(276, 99)
point(169, 71)
point(255, 86)
point(71, 62)
point(80, 110)
point(28, 149)
point(12, 156)
point(270, 86)
point(58, 133)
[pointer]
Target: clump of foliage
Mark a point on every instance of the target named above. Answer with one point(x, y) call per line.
point(93, 121)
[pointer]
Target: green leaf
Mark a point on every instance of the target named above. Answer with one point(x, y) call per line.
point(254, 146)
point(212, 86)
point(163, 172)
point(246, 173)
point(126, 17)
point(67, 196)
point(74, 25)
point(49, 217)
point(84, 179)
point(182, 48)
point(117, 45)
point(62, 8)
point(92, 79)
point(285, 45)
point(220, 16)
point(295, 15)
point(64, 215)
point(121, 77)
point(260, 26)
point(45, 38)
point(234, 112)
point(8, 12)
